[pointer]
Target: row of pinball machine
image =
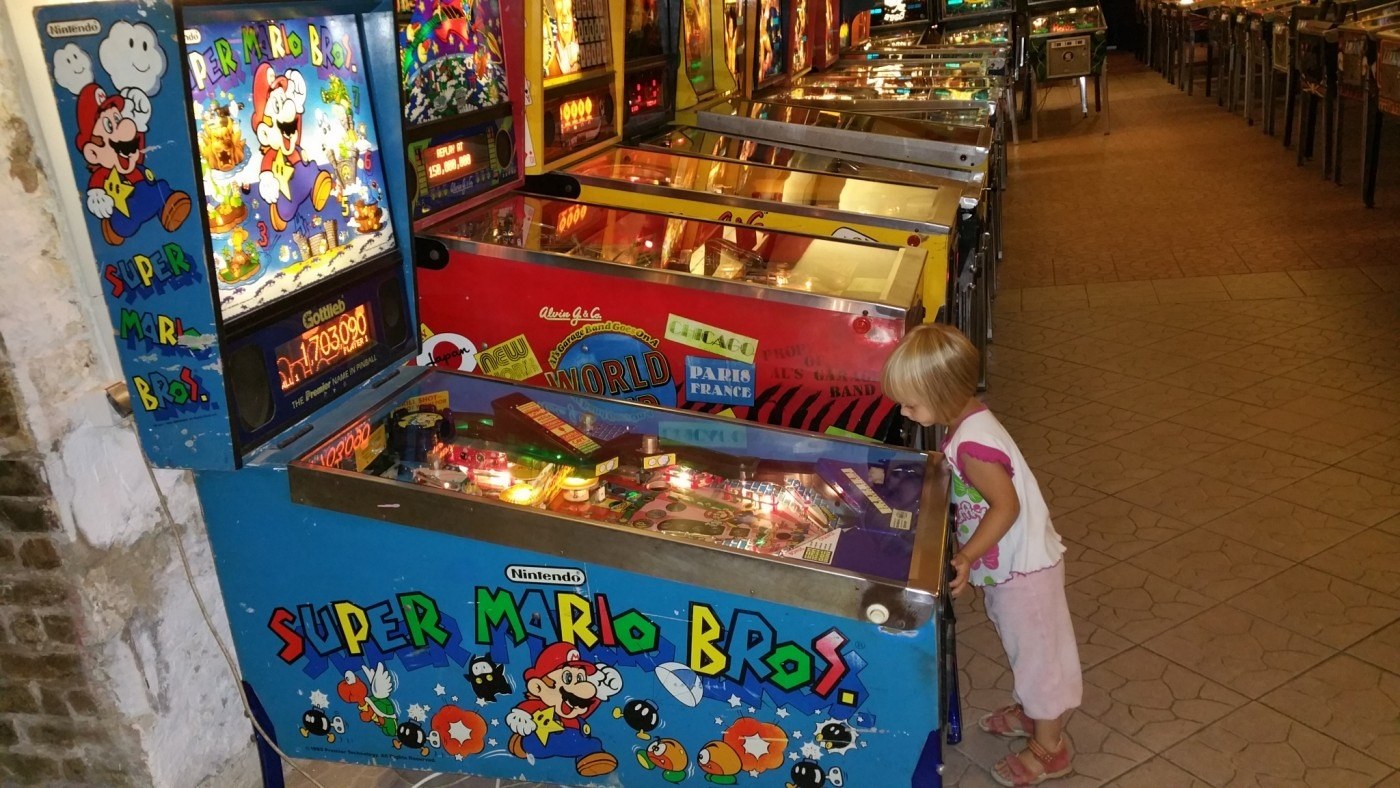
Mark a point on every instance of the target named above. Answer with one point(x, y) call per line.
point(1317, 55)
point(527, 358)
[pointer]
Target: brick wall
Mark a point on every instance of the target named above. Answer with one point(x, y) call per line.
point(53, 729)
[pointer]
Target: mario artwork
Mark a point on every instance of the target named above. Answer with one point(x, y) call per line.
point(122, 192)
point(286, 180)
point(561, 692)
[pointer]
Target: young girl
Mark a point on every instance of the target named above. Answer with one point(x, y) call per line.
point(1007, 546)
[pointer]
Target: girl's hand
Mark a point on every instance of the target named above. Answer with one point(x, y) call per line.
point(961, 566)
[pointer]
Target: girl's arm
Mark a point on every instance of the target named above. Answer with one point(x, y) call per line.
point(1004, 506)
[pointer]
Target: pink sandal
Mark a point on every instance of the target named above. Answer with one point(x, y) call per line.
point(1055, 764)
point(1008, 722)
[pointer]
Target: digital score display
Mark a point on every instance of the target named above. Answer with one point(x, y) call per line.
point(575, 122)
point(644, 93)
point(578, 114)
point(324, 344)
point(453, 161)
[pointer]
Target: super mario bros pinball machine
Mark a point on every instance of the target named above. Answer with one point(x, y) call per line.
point(597, 592)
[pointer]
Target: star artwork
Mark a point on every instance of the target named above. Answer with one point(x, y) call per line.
point(735, 702)
point(752, 710)
point(756, 745)
point(440, 690)
point(454, 698)
point(797, 734)
point(320, 699)
point(490, 742)
point(458, 731)
point(495, 723)
point(792, 756)
point(418, 712)
point(719, 720)
point(783, 712)
point(481, 702)
point(459, 756)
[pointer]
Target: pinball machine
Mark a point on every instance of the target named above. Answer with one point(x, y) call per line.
point(1273, 35)
point(1357, 46)
point(433, 570)
point(1382, 99)
point(573, 81)
point(1064, 43)
point(1316, 55)
point(650, 52)
point(1251, 55)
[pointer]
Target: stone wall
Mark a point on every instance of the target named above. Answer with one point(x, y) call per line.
point(109, 674)
point(52, 726)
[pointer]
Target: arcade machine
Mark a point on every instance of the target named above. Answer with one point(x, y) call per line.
point(828, 24)
point(1276, 36)
point(617, 291)
point(1316, 54)
point(896, 23)
point(1254, 25)
point(1357, 45)
point(437, 571)
point(1066, 43)
point(573, 86)
point(651, 59)
point(1382, 98)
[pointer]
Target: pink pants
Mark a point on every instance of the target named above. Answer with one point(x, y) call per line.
point(1031, 615)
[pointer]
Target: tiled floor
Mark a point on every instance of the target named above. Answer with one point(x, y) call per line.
point(1196, 347)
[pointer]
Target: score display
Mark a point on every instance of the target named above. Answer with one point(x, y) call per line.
point(323, 346)
point(452, 161)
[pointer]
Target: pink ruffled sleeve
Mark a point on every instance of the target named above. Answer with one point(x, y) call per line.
point(985, 453)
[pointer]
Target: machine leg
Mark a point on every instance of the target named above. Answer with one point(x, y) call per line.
point(1307, 128)
point(1083, 97)
point(1188, 79)
point(1268, 99)
point(1329, 137)
point(1103, 89)
point(1015, 132)
point(1210, 66)
point(268, 759)
point(1221, 87)
point(1337, 137)
point(1098, 92)
point(1373, 155)
point(950, 660)
point(1290, 108)
point(1035, 111)
point(1249, 85)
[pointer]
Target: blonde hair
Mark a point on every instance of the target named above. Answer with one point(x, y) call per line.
point(934, 365)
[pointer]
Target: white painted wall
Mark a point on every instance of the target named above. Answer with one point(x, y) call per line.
point(155, 655)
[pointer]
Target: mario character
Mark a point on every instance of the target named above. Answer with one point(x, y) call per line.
point(561, 692)
point(121, 192)
point(286, 180)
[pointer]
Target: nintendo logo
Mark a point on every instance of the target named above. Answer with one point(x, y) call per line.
point(76, 27)
point(546, 575)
